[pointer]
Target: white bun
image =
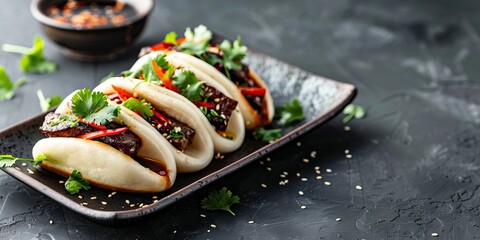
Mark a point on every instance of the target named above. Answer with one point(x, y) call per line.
point(250, 115)
point(198, 154)
point(235, 125)
point(101, 165)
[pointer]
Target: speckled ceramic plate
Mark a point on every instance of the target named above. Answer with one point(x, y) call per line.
point(321, 99)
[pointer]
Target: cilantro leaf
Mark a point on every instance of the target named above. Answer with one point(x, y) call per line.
point(148, 72)
point(143, 108)
point(86, 102)
point(220, 200)
point(267, 135)
point(171, 38)
point(7, 87)
point(32, 60)
point(233, 54)
point(199, 34)
point(189, 86)
point(290, 113)
point(195, 48)
point(353, 111)
point(7, 160)
point(48, 103)
point(104, 116)
point(75, 183)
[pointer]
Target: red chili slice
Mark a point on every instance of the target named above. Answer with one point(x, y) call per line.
point(167, 82)
point(124, 95)
point(160, 116)
point(161, 46)
point(204, 104)
point(103, 133)
point(253, 91)
point(97, 126)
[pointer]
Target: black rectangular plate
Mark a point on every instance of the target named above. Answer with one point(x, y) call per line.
point(320, 98)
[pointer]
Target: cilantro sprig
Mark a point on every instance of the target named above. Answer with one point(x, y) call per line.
point(290, 113)
point(48, 103)
point(142, 107)
point(75, 183)
point(7, 160)
point(189, 85)
point(353, 111)
point(222, 199)
point(32, 60)
point(92, 106)
point(7, 87)
point(233, 54)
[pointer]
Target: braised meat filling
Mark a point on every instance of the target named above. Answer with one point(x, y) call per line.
point(57, 125)
point(222, 108)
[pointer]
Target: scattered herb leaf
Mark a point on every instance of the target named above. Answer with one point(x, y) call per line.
point(222, 199)
point(32, 60)
point(290, 113)
point(7, 87)
point(353, 111)
point(267, 135)
point(75, 183)
point(142, 107)
point(48, 103)
point(7, 160)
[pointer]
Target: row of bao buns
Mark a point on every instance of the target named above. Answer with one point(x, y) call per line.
point(174, 112)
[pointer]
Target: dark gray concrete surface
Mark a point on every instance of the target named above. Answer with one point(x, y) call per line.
point(415, 155)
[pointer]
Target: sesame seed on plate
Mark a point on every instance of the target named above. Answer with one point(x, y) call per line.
point(313, 154)
point(318, 177)
point(304, 179)
point(18, 168)
point(268, 168)
point(51, 222)
point(263, 185)
point(269, 159)
point(298, 174)
point(127, 201)
point(434, 234)
point(285, 173)
point(283, 176)
point(261, 162)
point(303, 207)
point(306, 160)
point(93, 198)
point(30, 171)
point(208, 230)
point(348, 156)
point(213, 225)
point(347, 128)
point(104, 203)
point(317, 171)
point(299, 144)
point(327, 183)
point(328, 170)
point(281, 183)
point(80, 196)
point(285, 181)
point(203, 215)
point(24, 164)
point(347, 151)
point(358, 187)
point(61, 182)
point(338, 219)
point(251, 222)
point(317, 167)
point(300, 193)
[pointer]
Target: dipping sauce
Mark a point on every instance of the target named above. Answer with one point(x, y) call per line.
point(87, 14)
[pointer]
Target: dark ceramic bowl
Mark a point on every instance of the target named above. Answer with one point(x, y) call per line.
point(91, 44)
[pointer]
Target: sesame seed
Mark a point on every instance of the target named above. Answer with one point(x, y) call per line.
point(281, 183)
point(127, 201)
point(299, 144)
point(208, 230)
point(313, 154)
point(213, 225)
point(84, 204)
point(338, 219)
point(251, 222)
point(216, 100)
point(348, 156)
point(300, 193)
point(17, 168)
point(114, 193)
point(261, 162)
point(328, 170)
point(434, 234)
point(61, 182)
point(104, 203)
point(298, 174)
point(30, 171)
point(155, 201)
point(141, 205)
point(174, 231)
point(269, 159)
point(51, 222)
point(317, 167)
point(217, 107)
point(305, 160)
point(304, 179)
point(347, 151)
point(132, 205)
point(328, 183)
point(268, 168)
point(285, 173)
point(154, 197)
point(317, 171)
point(93, 198)
point(80, 196)
point(319, 177)
point(303, 207)
point(24, 164)
point(203, 215)
point(109, 195)
point(283, 176)
point(358, 187)
point(263, 185)
point(347, 128)
point(286, 181)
